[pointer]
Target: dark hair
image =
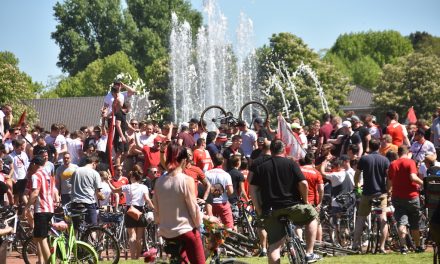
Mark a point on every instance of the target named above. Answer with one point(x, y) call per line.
point(391, 155)
point(18, 142)
point(210, 136)
point(200, 141)
point(236, 137)
point(217, 159)
point(374, 144)
point(175, 155)
point(277, 147)
point(337, 162)
point(391, 114)
point(309, 158)
point(91, 159)
point(326, 117)
point(136, 172)
point(403, 149)
point(244, 164)
point(234, 161)
point(354, 148)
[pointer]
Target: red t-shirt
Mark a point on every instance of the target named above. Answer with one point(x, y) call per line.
point(396, 132)
point(314, 178)
point(152, 158)
point(120, 182)
point(202, 159)
point(325, 131)
point(399, 174)
point(196, 173)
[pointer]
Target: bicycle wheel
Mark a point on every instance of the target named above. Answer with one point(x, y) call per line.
point(344, 234)
point(213, 118)
point(103, 242)
point(252, 110)
point(85, 253)
point(373, 240)
point(29, 250)
point(393, 240)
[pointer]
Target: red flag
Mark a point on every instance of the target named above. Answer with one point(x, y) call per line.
point(411, 116)
point(22, 118)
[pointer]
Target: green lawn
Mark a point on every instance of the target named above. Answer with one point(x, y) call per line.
point(358, 259)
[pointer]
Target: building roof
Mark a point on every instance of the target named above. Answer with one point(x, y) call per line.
point(360, 99)
point(74, 112)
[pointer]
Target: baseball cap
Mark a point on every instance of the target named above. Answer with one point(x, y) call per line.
point(295, 126)
point(222, 137)
point(354, 118)
point(38, 161)
point(346, 124)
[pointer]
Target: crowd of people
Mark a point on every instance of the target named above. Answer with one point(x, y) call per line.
point(173, 170)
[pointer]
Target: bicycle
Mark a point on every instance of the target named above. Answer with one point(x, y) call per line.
point(215, 117)
point(68, 249)
point(375, 230)
point(346, 219)
point(246, 222)
point(294, 248)
point(22, 231)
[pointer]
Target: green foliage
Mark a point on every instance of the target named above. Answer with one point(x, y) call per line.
point(413, 80)
point(16, 86)
point(364, 54)
point(95, 79)
point(292, 50)
point(424, 42)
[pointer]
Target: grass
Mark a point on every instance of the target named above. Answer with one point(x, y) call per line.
point(391, 258)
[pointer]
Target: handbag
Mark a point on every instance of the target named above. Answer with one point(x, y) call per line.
point(132, 211)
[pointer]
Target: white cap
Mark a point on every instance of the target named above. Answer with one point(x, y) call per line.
point(346, 124)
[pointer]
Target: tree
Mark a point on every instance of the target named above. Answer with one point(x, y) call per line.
point(414, 80)
point(425, 42)
point(364, 53)
point(16, 86)
point(287, 48)
point(95, 79)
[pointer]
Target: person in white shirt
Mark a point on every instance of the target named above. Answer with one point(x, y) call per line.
point(58, 141)
point(249, 138)
point(122, 96)
point(75, 146)
point(20, 164)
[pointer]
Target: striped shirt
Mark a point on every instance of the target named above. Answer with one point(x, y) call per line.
point(45, 183)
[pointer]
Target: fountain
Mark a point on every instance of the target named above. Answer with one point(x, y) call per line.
point(210, 71)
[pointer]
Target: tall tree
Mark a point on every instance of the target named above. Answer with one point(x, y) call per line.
point(425, 42)
point(287, 48)
point(364, 53)
point(414, 80)
point(95, 79)
point(16, 86)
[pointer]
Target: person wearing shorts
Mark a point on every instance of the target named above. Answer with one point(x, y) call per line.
point(278, 188)
point(404, 189)
point(42, 198)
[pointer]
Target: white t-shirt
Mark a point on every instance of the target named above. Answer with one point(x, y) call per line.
point(21, 164)
point(134, 193)
point(249, 137)
point(106, 191)
point(108, 100)
point(147, 140)
point(337, 178)
point(219, 176)
point(419, 150)
point(59, 142)
point(74, 147)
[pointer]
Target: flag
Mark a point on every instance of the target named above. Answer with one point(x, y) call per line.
point(292, 142)
point(411, 116)
point(22, 119)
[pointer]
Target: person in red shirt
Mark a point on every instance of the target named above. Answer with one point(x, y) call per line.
point(397, 131)
point(118, 181)
point(151, 154)
point(201, 158)
point(198, 175)
point(42, 197)
point(315, 186)
point(403, 185)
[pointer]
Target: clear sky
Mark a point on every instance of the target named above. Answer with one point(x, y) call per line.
point(25, 25)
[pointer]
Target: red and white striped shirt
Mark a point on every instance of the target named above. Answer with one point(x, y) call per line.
point(45, 183)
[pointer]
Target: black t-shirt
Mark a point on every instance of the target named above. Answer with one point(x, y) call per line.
point(374, 167)
point(258, 161)
point(277, 179)
point(432, 171)
point(312, 140)
point(348, 140)
point(263, 132)
point(363, 133)
point(336, 151)
point(236, 177)
point(256, 153)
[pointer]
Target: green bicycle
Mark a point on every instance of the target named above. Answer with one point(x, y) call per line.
point(69, 250)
